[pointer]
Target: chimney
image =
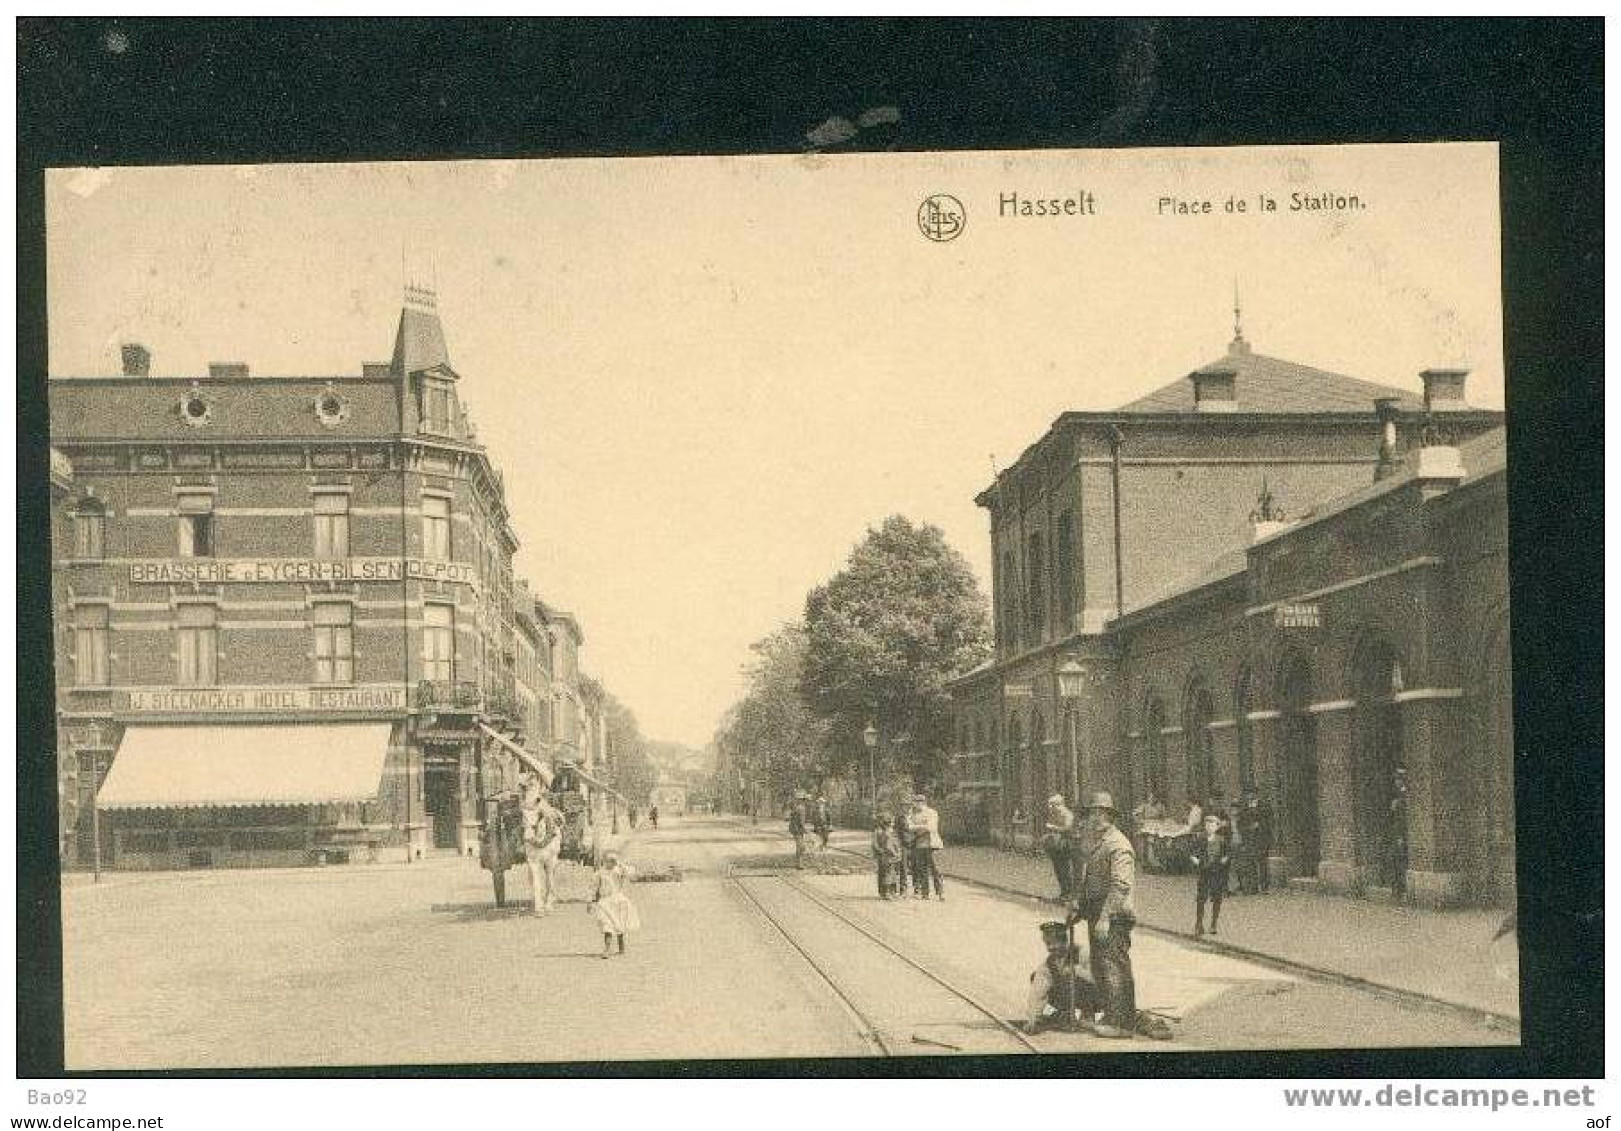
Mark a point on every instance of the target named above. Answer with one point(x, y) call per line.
point(137, 360)
point(1215, 390)
point(1385, 408)
point(227, 369)
point(1443, 389)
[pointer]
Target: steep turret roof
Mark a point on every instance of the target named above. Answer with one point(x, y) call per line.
point(419, 343)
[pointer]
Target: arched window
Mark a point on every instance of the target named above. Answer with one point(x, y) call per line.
point(1154, 743)
point(1380, 799)
point(1036, 569)
point(1201, 768)
point(1009, 621)
point(1015, 776)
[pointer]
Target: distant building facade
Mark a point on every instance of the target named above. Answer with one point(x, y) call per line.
point(1265, 577)
point(670, 796)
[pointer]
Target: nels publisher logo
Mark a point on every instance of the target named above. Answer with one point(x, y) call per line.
point(941, 217)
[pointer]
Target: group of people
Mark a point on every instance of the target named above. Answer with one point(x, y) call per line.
point(806, 818)
point(1246, 824)
point(903, 847)
point(1226, 845)
point(652, 816)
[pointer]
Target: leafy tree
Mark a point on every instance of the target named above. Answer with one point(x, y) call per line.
point(771, 737)
point(881, 639)
point(634, 774)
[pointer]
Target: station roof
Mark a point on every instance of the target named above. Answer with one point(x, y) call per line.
point(1272, 385)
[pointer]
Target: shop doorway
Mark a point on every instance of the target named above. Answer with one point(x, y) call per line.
point(441, 797)
point(1297, 769)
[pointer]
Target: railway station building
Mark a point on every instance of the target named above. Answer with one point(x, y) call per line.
point(287, 625)
point(1262, 576)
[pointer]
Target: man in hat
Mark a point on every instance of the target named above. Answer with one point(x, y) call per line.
point(1102, 892)
point(924, 825)
point(1056, 841)
point(1058, 989)
point(1255, 842)
point(822, 821)
point(797, 828)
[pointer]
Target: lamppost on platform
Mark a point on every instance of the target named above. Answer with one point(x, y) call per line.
point(1071, 678)
point(870, 737)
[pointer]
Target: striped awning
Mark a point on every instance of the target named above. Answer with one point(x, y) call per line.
point(188, 767)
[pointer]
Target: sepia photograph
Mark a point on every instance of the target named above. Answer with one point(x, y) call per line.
point(637, 609)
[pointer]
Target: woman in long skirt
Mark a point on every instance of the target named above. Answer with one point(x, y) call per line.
point(611, 906)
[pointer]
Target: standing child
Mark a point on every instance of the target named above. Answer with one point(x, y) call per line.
point(610, 906)
point(1212, 857)
point(886, 853)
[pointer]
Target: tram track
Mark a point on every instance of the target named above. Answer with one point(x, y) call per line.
point(1397, 995)
point(888, 994)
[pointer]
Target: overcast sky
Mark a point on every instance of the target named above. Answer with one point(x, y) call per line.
point(705, 378)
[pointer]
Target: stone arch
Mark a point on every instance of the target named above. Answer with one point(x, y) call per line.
point(1198, 710)
point(1379, 814)
point(1015, 767)
point(1490, 695)
point(1244, 726)
point(1156, 771)
point(1039, 767)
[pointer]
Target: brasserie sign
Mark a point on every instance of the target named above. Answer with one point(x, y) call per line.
point(217, 571)
point(261, 700)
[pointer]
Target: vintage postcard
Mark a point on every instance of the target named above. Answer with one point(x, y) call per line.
point(1003, 603)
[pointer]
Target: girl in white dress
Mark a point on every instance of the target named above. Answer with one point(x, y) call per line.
point(610, 906)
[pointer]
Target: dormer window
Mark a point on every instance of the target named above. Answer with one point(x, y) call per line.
point(437, 407)
point(1215, 390)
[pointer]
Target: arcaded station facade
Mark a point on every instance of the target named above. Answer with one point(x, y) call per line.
point(1272, 578)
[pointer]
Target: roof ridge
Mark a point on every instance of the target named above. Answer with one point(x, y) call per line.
point(1265, 383)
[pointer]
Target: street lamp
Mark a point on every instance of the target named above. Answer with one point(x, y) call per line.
point(1071, 678)
point(870, 737)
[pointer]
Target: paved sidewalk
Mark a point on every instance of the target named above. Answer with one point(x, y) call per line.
point(1446, 955)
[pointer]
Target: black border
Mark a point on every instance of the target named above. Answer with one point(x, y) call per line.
point(118, 91)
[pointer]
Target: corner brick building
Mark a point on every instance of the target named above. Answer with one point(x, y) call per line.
point(287, 621)
point(1264, 576)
